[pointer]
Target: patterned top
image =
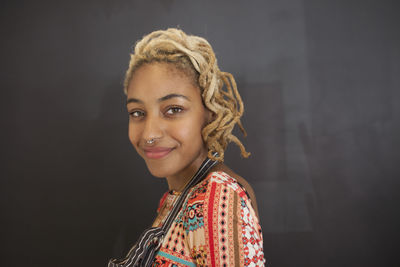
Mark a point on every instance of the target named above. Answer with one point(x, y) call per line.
point(217, 226)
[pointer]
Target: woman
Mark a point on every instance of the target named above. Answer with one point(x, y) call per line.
point(182, 110)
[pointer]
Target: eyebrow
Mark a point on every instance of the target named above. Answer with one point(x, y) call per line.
point(164, 98)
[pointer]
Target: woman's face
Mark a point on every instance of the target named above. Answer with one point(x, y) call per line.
point(165, 106)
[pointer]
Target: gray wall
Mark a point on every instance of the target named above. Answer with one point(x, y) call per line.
point(320, 81)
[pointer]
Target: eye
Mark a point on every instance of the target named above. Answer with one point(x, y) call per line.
point(136, 114)
point(173, 110)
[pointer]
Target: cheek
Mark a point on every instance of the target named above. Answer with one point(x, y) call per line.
point(184, 133)
point(189, 132)
point(133, 133)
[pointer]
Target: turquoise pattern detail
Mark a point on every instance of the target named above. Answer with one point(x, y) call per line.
point(176, 259)
point(194, 219)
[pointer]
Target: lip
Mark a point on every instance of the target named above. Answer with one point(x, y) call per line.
point(157, 152)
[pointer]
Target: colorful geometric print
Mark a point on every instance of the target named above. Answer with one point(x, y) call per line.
point(199, 255)
point(194, 218)
point(165, 259)
point(217, 226)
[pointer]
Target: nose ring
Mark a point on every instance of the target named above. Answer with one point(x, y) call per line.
point(151, 141)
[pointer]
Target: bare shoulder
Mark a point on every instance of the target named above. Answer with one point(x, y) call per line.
point(240, 180)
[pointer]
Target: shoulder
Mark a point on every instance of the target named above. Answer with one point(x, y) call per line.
point(216, 184)
point(242, 182)
point(217, 180)
point(219, 187)
point(221, 180)
point(219, 194)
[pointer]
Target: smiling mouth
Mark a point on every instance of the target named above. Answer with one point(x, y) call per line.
point(157, 152)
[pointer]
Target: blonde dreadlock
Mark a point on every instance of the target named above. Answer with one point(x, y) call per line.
point(194, 56)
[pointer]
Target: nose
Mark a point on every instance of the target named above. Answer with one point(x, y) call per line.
point(152, 128)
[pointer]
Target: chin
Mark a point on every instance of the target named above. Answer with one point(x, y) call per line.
point(160, 171)
point(157, 173)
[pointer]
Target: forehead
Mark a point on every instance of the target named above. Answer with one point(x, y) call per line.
point(156, 80)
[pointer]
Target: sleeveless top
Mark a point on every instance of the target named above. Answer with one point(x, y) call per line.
point(217, 226)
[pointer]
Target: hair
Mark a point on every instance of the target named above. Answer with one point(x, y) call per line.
point(195, 57)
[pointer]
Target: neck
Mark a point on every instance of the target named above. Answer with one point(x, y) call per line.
point(178, 181)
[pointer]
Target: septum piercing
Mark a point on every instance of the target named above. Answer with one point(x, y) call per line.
point(151, 141)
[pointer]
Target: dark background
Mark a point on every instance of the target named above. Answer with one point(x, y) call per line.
point(320, 81)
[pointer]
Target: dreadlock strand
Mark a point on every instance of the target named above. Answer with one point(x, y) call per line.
point(243, 151)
